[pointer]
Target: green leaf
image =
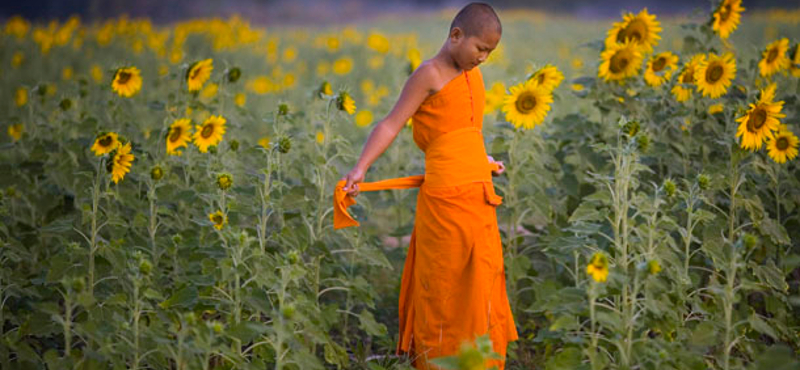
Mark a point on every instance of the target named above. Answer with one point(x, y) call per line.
point(775, 231)
point(758, 324)
point(568, 359)
point(184, 297)
point(585, 212)
point(246, 331)
point(771, 275)
point(368, 324)
point(567, 322)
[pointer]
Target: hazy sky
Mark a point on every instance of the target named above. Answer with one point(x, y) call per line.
point(334, 11)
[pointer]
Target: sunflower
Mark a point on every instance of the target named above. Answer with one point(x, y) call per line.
point(105, 143)
point(681, 93)
point(15, 131)
point(598, 267)
point(209, 133)
point(121, 164)
point(783, 146)
point(127, 81)
point(198, 74)
point(714, 75)
point(548, 77)
point(660, 68)
point(179, 135)
point(620, 61)
point(726, 17)
point(345, 103)
point(761, 119)
point(219, 219)
point(363, 118)
point(641, 29)
point(716, 108)
point(527, 104)
point(794, 60)
point(773, 58)
point(494, 97)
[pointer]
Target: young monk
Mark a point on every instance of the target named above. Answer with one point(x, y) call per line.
point(453, 287)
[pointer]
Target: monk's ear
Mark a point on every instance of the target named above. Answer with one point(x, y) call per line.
point(456, 34)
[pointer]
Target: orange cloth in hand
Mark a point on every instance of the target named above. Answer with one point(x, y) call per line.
point(453, 287)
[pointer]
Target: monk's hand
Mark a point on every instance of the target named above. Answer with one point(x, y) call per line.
point(352, 179)
point(499, 163)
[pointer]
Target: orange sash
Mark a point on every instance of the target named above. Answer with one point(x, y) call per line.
point(455, 158)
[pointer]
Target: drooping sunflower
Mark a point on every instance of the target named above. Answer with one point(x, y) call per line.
point(105, 143)
point(527, 104)
point(773, 58)
point(179, 135)
point(641, 29)
point(219, 219)
point(324, 89)
point(619, 61)
point(761, 119)
point(198, 74)
point(209, 133)
point(660, 68)
point(714, 74)
point(598, 267)
point(783, 146)
point(345, 103)
point(683, 86)
point(548, 77)
point(726, 17)
point(127, 81)
point(121, 164)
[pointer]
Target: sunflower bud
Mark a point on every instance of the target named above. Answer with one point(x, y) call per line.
point(77, 285)
point(145, 267)
point(288, 311)
point(284, 144)
point(749, 240)
point(156, 173)
point(212, 149)
point(224, 181)
point(283, 109)
point(703, 181)
point(190, 318)
point(216, 326)
point(294, 256)
point(631, 128)
point(654, 267)
point(177, 239)
point(65, 104)
point(234, 145)
point(234, 74)
point(643, 142)
point(669, 187)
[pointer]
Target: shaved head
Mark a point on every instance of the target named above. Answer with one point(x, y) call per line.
point(477, 18)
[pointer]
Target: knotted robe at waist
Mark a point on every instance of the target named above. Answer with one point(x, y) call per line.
point(455, 158)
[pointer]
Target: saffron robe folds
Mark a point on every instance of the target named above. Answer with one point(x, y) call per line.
point(453, 287)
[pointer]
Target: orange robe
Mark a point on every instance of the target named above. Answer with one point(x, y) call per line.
point(453, 287)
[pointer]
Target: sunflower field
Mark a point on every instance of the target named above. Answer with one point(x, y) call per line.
point(166, 191)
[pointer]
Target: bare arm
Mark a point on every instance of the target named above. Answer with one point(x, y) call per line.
point(414, 92)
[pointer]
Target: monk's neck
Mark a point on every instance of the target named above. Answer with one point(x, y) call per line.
point(445, 59)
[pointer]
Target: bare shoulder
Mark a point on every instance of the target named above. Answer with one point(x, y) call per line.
point(425, 77)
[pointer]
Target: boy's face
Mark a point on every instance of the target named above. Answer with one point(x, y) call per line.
point(471, 51)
